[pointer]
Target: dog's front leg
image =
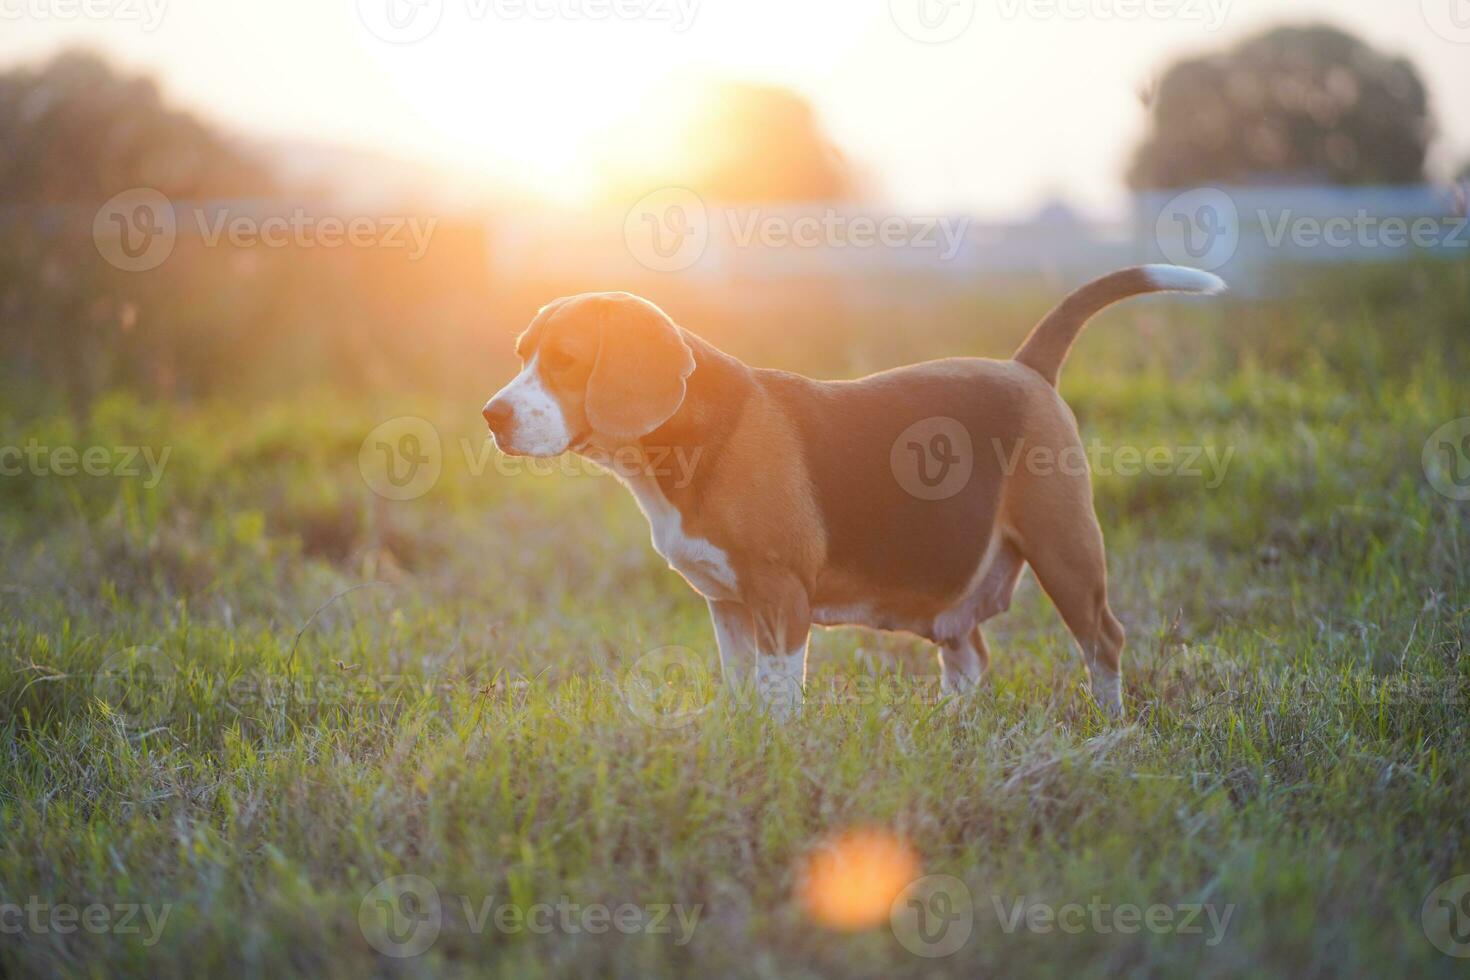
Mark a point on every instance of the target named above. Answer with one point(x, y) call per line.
point(781, 678)
point(781, 621)
point(735, 635)
point(761, 653)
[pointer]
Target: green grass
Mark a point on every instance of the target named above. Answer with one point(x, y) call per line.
point(358, 689)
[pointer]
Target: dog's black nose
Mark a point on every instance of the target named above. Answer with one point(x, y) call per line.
point(499, 417)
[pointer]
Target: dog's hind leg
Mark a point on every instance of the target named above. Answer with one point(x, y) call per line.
point(1072, 567)
point(965, 659)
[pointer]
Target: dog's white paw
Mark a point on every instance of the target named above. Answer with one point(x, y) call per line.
point(779, 686)
point(1107, 690)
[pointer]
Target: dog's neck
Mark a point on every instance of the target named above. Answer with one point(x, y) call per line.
point(715, 394)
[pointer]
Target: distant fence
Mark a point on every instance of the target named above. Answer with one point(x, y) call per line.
point(1251, 235)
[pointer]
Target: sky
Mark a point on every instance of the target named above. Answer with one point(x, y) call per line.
point(990, 106)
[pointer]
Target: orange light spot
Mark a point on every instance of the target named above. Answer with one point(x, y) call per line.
point(851, 881)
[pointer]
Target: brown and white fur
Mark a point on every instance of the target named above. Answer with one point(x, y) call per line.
point(795, 515)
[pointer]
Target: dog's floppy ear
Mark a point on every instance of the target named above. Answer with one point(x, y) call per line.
point(637, 383)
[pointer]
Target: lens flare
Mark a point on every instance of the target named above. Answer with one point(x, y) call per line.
point(850, 881)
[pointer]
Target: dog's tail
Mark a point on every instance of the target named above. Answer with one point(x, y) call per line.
point(1045, 351)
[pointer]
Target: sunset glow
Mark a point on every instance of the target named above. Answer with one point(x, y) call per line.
point(538, 104)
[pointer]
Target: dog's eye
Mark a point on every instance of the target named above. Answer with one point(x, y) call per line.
point(559, 360)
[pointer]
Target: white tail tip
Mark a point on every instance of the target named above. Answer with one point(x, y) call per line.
point(1178, 279)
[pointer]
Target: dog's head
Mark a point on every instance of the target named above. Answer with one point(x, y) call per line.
point(600, 367)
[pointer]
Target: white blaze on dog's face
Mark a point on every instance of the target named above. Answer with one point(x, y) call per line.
point(536, 424)
point(608, 367)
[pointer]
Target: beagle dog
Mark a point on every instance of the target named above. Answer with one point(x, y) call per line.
point(893, 501)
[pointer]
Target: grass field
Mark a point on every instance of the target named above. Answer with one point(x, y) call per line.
point(239, 699)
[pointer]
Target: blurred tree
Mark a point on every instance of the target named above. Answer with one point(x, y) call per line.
point(213, 316)
point(737, 143)
point(760, 143)
point(1294, 104)
point(75, 131)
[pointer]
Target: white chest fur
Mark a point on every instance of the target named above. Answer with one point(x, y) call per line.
point(703, 565)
